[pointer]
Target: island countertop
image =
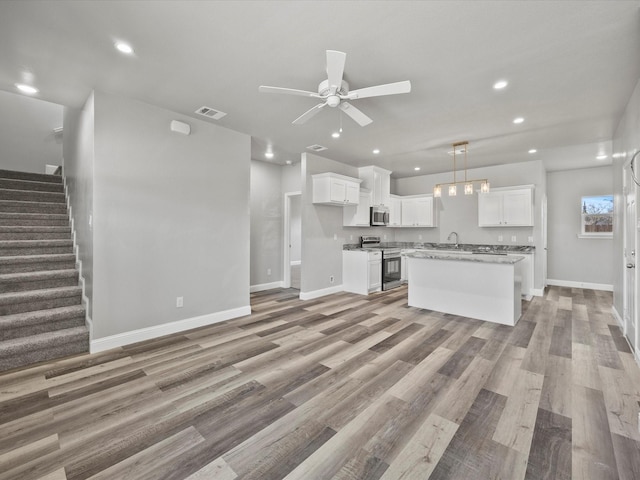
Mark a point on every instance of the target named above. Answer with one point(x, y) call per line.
point(468, 257)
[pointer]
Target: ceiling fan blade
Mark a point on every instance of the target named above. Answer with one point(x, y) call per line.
point(335, 68)
point(354, 113)
point(308, 114)
point(380, 90)
point(288, 91)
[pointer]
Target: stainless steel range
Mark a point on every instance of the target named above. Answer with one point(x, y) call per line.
point(391, 261)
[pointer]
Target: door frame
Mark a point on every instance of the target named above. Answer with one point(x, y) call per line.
point(628, 184)
point(286, 244)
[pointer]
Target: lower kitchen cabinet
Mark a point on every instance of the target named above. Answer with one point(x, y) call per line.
point(361, 271)
point(527, 269)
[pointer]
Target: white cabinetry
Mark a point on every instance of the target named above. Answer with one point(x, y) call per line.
point(358, 215)
point(361, 271)
point(512, 206)
point(395, 211)
point(417, 211)
point(335, 189)
point(378, 180)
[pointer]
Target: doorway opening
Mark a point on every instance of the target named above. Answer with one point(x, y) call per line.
point(292, 267)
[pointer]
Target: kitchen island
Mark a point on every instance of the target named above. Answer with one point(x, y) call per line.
point(480, 286)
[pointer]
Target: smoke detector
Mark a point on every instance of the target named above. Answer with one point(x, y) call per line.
point(210, 113)
point(316, 148)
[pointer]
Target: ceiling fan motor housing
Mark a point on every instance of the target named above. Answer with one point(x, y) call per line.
point(325, 91)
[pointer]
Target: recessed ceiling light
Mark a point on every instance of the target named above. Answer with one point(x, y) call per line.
point(376, 151)
point(288, 162)
point(268, 154)
point(500, 84)
point(601, 157)
point(124, 48)
point(518, 120)
point(533, 150)
point(26, 88)
point(335, 134)
point(416, 168)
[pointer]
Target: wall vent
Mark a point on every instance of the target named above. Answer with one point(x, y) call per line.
point(316, 148)
point(210, 113)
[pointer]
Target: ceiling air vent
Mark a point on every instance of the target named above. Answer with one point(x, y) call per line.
point(316, 148)
point(210, 113)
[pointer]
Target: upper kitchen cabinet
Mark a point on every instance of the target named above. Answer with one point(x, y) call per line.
point(395, 211)
point(506, 207)
point(358, 215)
point(378, 180)
point(335, 189)
point(417, 211)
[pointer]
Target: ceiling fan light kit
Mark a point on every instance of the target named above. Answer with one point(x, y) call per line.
point(334, 92)
point(468, 184)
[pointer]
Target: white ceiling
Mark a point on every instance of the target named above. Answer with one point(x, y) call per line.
point(571, 67)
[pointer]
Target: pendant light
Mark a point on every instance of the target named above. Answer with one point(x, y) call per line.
point(468, 184)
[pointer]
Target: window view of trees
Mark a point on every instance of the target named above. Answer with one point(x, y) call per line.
point(597, 215)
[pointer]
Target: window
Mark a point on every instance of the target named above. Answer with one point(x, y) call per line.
point(597, 216)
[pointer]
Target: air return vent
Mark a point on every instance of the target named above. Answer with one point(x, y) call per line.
point(210, 113)
point(316, 148)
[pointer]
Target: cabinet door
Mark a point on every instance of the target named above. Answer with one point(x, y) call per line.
point(490, 209)
point(409, 212)
point(375, 274)
point(395, 212)
point(517, 208)
point(424, 212)
point(337, 191)
point(352, 192)
point(362, 212)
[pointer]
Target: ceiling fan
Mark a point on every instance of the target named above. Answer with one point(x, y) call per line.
point(334, 91)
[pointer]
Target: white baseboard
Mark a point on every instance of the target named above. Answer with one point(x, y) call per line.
point(127, 338)
point(320, 293)
point(295, 262)
point(567, 283)
point(265, 286)
point(537, 292)
point(617, 316)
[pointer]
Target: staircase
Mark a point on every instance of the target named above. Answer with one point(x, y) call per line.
point(41, 311)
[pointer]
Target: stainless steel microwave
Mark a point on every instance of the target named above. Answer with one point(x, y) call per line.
point(379, 215)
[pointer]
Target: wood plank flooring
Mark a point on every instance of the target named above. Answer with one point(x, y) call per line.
point(342, 387)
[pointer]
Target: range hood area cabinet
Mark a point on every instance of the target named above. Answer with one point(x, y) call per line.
point(418, 211)
point(358, 215)
point(506, 206)
point(378, 180)
point(335, 189)
point(395, 211)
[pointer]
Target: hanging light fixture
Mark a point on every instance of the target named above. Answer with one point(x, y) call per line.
point(468, 184)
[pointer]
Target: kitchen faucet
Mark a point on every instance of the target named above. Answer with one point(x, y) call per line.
point(451, 235)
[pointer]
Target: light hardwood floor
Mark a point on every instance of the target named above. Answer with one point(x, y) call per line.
point(343, 387)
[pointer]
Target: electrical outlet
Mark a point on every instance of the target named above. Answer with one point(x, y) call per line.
point(268, 271)
point(513, 238)
point(530, 239)
point(419, 237)
point(179, 302)
point(350, 237)
point(335, 236)
point(331, 279)
point(500, 238)
point(384, 237)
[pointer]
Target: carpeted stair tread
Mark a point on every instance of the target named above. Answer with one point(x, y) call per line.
point(21, 206)
point(34, 295)
point(33, 219)
point(29, 281)
point(32, 323)
point(33, 263)
point(37, 177)
point(18, 232)
point(31, 196)
point(31, 185)
point(44, 346)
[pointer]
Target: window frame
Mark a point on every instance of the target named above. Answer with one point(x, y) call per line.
point(584, 214)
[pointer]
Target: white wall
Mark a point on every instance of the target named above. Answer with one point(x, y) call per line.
point(170, 216)
point(26, 133)
point(460, 213)
point(78, 151)
point(573, 259)
point(295, 229)
point(267, 231)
